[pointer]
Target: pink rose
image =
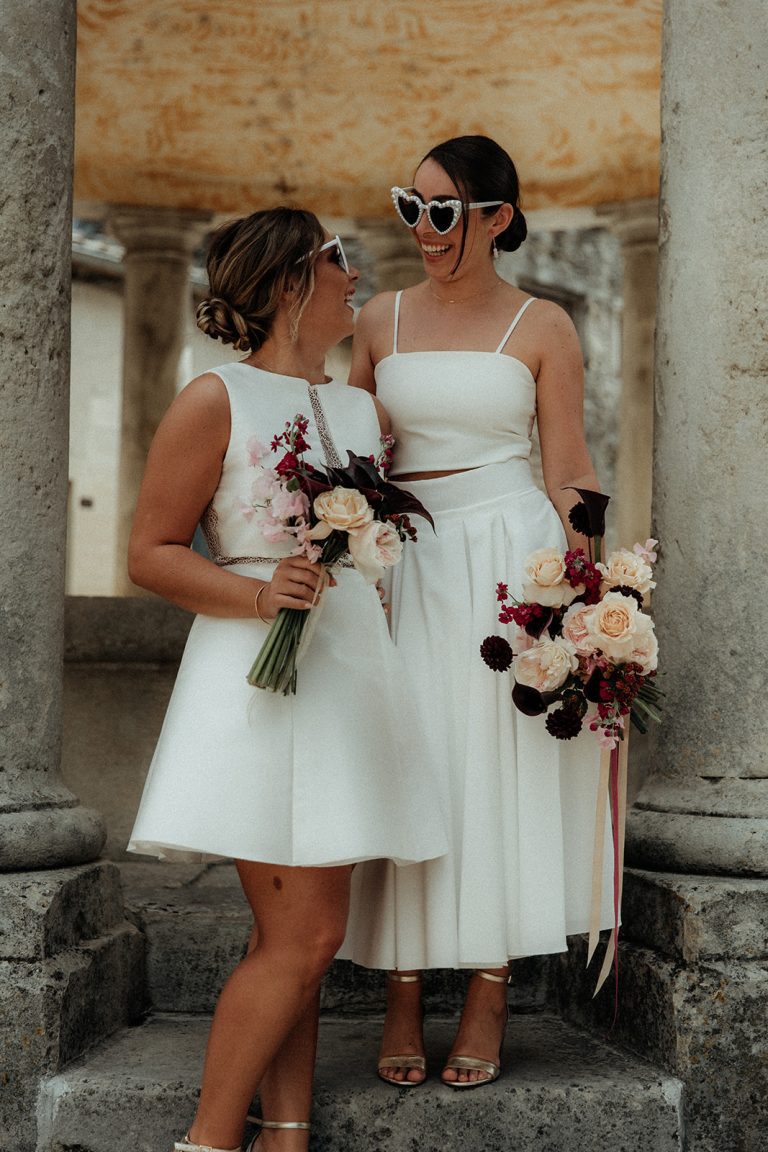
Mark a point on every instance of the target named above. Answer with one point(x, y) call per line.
point(575, 628)
point(546, 666)
point(373, 548)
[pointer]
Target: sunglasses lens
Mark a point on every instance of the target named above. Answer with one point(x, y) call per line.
point(410, 210)
point(442, 218)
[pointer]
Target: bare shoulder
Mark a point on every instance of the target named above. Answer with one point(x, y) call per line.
point(552, 324)
point(383, 304)
point(199, 414)
point(375, 317)
point(206, 390)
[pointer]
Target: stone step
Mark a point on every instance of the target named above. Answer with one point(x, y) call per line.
point(561, 1090)
point(203, 907)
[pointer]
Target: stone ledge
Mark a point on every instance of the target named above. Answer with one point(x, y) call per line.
point(45, 913)
point(560, 1090)
point(52, 1010)
point(123, 629)
point(703, 1022)
point(695, 918)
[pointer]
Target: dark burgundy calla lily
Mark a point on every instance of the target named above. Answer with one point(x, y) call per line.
point(528, 700)
point(588, 518)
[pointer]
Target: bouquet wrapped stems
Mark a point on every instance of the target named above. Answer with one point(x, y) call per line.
point(276, 665)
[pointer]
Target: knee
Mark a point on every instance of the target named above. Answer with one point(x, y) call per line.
point(319, 946)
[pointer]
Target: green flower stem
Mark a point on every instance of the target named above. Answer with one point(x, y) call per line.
point(647, 708)
point(274, 669)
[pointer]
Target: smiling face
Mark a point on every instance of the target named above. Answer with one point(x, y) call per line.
point(329, 309)
point(440, 253)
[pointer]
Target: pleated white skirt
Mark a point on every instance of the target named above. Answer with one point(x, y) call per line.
point(332, 775)
point(517, 880)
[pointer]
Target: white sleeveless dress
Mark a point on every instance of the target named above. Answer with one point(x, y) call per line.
point(340, 771)
point(517, 880)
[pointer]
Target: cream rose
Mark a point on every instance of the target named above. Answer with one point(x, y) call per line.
point(373, 548)
point(546, 666)
point(341, 509)
point(645, 650)
point(546, 583)
point(625, 567)
point(576, 628)
point(613, 625)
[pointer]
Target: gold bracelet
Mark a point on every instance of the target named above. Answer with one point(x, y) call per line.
point(256, 605)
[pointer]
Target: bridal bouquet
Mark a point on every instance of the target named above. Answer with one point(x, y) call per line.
point(331, 513)
point(592, 643)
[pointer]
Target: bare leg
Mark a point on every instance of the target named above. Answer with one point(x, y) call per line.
point(403, 1028)
point(285, 1092)
point(301, 916)
point(482, 1025)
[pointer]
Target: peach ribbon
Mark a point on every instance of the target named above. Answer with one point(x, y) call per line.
point(612, 786)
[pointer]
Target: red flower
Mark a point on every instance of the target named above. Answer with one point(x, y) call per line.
point(288, 464)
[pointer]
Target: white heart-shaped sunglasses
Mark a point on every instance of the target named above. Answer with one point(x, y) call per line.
point(442, 214)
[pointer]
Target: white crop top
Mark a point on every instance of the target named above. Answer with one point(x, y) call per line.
point(457, 409)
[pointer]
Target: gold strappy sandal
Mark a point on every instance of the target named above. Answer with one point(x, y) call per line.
point(300, 1124)
point(419, 1063)
point(474, 1063)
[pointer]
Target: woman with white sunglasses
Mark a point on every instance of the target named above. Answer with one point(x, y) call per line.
point(465, 363)
point(295, 788)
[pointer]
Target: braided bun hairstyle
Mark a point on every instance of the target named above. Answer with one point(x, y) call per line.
point(252, 262)
point(482, 170)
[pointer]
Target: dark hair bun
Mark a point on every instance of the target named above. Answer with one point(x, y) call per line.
point(512, 237)
point(219, 320)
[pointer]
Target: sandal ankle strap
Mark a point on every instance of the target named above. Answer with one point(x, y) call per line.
point(186, 1146)
point(492, 976)
point(303, 1125)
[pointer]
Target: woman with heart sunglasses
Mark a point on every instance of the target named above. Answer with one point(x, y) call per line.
point(465, 363)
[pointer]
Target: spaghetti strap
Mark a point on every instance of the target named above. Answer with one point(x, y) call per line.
point(514, 323)
point(397, 318)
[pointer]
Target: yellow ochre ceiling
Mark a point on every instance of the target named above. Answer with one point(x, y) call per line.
point(233, 105)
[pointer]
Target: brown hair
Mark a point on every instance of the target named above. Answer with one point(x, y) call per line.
point(251, 263)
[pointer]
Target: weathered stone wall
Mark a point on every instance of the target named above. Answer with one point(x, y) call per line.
point(581, 269)
point(228, 106)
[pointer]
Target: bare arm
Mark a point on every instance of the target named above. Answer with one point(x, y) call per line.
point(559, 403)
point(181, 476)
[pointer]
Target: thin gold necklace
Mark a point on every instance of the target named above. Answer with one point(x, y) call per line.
point(464, 299)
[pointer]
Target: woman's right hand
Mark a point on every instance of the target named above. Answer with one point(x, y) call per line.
point(293, 585)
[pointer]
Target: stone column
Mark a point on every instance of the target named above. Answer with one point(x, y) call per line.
point(706, 807)
point(636, 224)
point(157, 303)
point(41, 822)
point(396, 259)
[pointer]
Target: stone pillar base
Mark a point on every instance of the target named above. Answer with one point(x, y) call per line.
point(50, 837)
point(71, 972)
point(693, 998)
